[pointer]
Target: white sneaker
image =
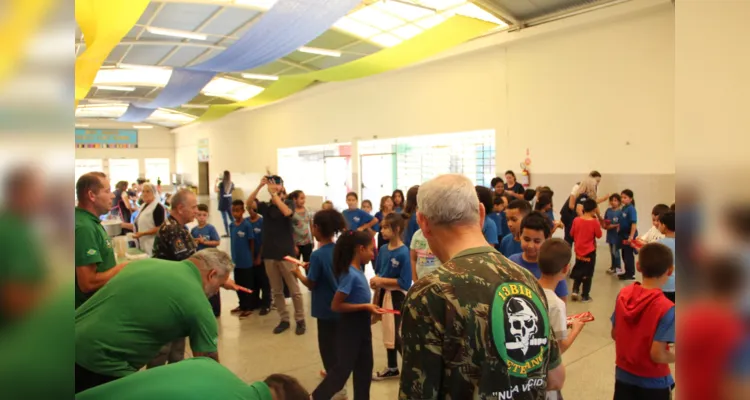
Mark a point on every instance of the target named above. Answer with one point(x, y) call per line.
point(620, 271)
point(575, 296)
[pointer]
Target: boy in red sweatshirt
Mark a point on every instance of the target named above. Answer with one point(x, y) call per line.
point(643, 325)
point(585, 230)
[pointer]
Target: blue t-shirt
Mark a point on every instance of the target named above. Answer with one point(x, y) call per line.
point(356, 218)
point(497, 218)
point(241, 236)
point(561, 290)
point(355, 286)
point(208, 232)
point(665, 332)
point(669, 286)
point(395, 264)
point(411, 228)
point(257, 234)
point(509, 246)
point(490, 231)
point(379, 216)
point(321, 272)
point(614, 217)
point(628, 218)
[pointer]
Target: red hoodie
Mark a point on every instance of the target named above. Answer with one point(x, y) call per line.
point(637, 314)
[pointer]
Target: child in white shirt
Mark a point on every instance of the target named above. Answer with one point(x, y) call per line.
point(653, 234)
point(422, 260)
point(554, 262)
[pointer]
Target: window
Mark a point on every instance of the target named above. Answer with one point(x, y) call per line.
point(316, 170)
point(86, 165)
point(123, 169)
point(157, 168)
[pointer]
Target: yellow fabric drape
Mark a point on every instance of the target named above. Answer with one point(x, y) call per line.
point(450, 33)
point(19, 22)
point(104, 23)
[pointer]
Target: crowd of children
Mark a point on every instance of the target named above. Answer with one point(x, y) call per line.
point(345, 308)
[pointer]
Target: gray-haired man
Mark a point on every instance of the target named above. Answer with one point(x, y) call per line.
point(149, 303)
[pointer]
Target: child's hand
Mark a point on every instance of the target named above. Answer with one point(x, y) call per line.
point(374, 309)
point(257, 261)
point(374, 282)
point(361, 228)
point(577, 325)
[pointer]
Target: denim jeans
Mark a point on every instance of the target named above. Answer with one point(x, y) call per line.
point(228, 218)
point(614, 253)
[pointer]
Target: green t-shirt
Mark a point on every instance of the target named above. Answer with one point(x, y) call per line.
point(149, 303)
point(193, 379)
point(23, 259)
point(93, 246)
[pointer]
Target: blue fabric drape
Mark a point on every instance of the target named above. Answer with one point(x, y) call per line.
point(287, 26)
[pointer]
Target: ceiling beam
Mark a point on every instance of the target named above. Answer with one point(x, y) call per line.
point(198, 29)
point(131, 42)
point(138, 36)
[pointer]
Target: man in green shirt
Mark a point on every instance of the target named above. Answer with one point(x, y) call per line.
point(148, 304)
point(195, 379)
point(94, 255)
point(23, 273)
point(477, 327)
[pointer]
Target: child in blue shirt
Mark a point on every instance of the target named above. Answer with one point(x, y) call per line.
point(535, 231)
point(515, 212)
point(352, 302)
point(498, 216)
point(411, 210)
point(489, 227)
point(356, 218)
point(322, 283)
point(627, 232)
point(612, 224)
point(242, 248)
point(206, 236)
point(393, 280)
point(667, 228)
point(261, 296)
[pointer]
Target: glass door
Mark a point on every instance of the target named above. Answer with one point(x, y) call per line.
point(338, 180)
point(377, 178)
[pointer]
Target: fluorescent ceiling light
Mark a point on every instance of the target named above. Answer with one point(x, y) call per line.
point(82, 125)
point(262, 77)
point(374, 17)
point(403, 10)
point(194, 106)
point(407, 31)
point(231, 89)
point(263, 5)
point(176, 33)
point(322, 52)
point(142, 67)
point(429, 22)
point(118, 88)
point(355, 28)
point(143, 126)
point(471, 10)
point(386, 40)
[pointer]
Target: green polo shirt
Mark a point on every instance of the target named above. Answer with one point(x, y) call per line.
point(23, 258)
point(149, 303)
point(93, 246)
point(194, 379)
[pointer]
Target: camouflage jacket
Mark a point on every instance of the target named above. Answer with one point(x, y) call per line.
point(173, 241)
point(476, 328)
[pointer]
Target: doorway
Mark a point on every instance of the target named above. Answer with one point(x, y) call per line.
point(378, 176)
point(203, 178)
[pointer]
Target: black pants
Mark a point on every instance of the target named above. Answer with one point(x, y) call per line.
point(583, 272)
point(261, 296)
point(567, 220)
point(244, 277)
point(215, 301)
point(305, 251)
point(327, 333)
point(381, 241)
point(86, 379)
point(397, 298)
point(628, 258)
point(624, 391)
point(670, 296)
point(354, 355)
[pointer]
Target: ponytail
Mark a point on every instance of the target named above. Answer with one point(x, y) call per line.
point(397, 223)
point(329, 223)
point(411, 200)
point(346, 247)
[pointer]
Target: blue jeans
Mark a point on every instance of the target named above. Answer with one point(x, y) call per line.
point(227, 217)
point(614, 253)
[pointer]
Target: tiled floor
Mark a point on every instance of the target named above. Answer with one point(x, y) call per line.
point(250, 349)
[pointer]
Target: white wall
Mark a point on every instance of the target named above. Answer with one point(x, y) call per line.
point(152, 143)
point(574, 97)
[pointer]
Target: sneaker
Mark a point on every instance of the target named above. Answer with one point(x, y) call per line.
point(281, 327)
point(265, 311)
point(623, 277)
point(575, 296)
point(225, 235)
point(236, 310)
point(387, 373)
point(611, 271)
point(245, 314)
point(620, 271)
point(301, 328)
point(587, 299)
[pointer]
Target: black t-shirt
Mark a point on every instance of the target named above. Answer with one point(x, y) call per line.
point(278, 241)
point(517, 188)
